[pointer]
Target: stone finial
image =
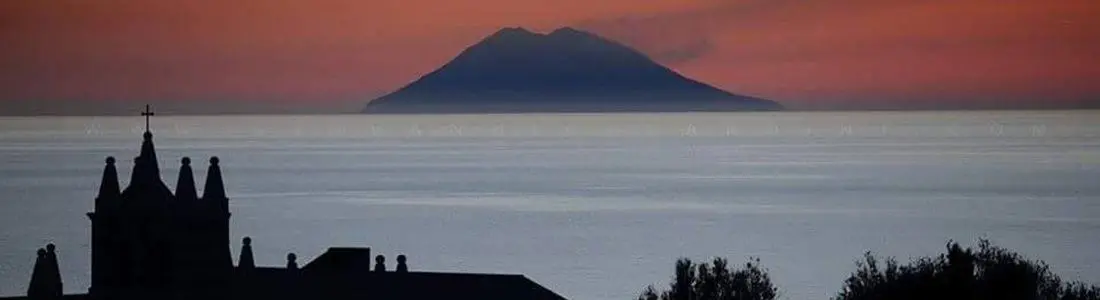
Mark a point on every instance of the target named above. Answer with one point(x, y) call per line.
point(185, 184)
point(291, 261)
point(379, 263)
point(246, 261)
point(46, 278)
point(37, 288)
point(402, 267)
point(215, 187)
point(109, 191)
point(53, 269)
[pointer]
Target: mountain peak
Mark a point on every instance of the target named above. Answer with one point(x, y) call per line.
point(570, 34)
point(517, 29)
point(514, 31)
point(567, 70)
point(564, 33)
point(512, 35)
point(568, 31)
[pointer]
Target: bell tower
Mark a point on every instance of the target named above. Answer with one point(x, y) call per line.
point(132, 229)
point(148, 243)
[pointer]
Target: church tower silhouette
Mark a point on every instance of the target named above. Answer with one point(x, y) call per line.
point(151, 243)
point(147, 241)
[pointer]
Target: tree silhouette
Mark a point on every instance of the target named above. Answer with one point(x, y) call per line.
point(715, 281)
point(989, 272)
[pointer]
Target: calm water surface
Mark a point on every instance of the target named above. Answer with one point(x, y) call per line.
point(591, 206)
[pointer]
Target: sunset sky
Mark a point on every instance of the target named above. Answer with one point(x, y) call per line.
point(206, 56)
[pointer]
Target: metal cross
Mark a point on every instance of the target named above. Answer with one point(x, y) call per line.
point(147, 113)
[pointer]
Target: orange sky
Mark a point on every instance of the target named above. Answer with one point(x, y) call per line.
point(333, 55)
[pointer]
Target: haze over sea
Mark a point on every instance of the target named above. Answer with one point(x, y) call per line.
point(593, 206)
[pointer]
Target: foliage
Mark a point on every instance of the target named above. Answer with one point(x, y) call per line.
point(715, 281)
point(989, 272)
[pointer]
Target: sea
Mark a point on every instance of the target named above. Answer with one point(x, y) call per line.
point(591, 206)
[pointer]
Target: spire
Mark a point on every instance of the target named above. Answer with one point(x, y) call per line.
point(145, 165)
point(215, 188)
point(185, 185)
point(37, 288)
point(246, 261)
point(145, 182)
point(108, 187)
point(46, 278)
point(53, 270)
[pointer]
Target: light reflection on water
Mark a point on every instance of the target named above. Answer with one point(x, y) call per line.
point(592, 206)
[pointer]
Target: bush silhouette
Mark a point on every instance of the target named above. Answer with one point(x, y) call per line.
point(715, 281)
point(989, 272)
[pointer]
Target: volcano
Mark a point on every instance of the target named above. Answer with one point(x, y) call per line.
point(518, 71)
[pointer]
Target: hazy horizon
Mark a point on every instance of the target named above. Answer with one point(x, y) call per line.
point(130, 109)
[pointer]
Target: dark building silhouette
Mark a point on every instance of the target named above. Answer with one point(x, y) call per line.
point(151, 243)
